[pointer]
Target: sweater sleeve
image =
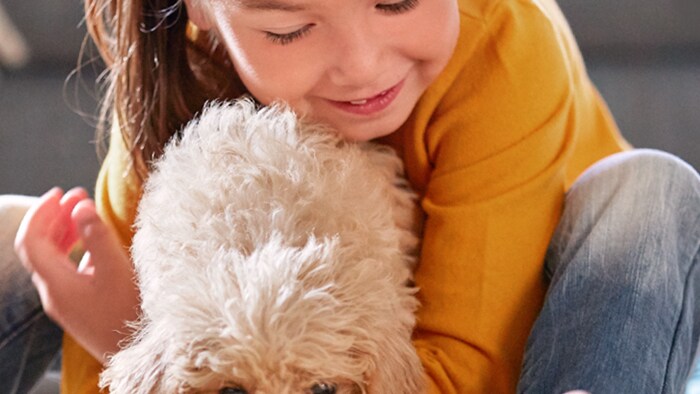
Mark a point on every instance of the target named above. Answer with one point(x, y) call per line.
point(117, 193)
point(495, 147)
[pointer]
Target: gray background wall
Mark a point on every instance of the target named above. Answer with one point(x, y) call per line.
point(43, 141)
point(644, 55)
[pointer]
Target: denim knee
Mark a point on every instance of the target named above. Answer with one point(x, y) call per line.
point(624, 280)
point(630, 229)
point(636, 202)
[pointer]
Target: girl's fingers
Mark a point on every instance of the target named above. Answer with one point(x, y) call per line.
point(40, 217)
point(67, 234)
point(46, 233)
point(36, 223)
point(105, 253)
point(53, 274)
point(51, 269)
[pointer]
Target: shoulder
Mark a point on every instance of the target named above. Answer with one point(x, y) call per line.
point(524, 39)
point(511, 77)
point(495, 25)
point(513, 65)
point(489, 9)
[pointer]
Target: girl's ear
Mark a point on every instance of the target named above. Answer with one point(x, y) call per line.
point(198, 14)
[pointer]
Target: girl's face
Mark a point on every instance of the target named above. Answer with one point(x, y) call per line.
point(357, 65)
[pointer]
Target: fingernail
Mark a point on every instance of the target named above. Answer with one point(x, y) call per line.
point(85, 213)
point(76, 191)
point(54, 190)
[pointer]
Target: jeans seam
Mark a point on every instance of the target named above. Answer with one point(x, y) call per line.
point(22, 327)
point(23, 361)
point(671, 352)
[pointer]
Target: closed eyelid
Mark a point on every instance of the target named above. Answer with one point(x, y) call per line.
point(287, 38)
point(285, 28)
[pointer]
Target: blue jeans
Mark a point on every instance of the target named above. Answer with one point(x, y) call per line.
point(620, 317)
point(29, 341)
point(622, 313)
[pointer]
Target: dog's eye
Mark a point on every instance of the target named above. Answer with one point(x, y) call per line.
point(233, 390)
point(323, 388)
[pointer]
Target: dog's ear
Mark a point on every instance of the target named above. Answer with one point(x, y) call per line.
point(397, 369)
point(141, 367)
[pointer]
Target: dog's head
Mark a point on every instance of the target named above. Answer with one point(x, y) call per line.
point(280, 320)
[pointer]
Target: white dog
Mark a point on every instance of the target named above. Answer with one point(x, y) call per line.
point(272, 257)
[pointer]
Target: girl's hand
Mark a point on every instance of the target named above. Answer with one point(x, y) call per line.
point(93, 301)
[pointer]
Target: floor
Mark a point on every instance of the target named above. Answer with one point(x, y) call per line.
point(49, 385)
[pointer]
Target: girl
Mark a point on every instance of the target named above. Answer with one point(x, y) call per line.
point(490, 107)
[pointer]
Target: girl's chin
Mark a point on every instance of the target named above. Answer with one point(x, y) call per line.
point(362, 134)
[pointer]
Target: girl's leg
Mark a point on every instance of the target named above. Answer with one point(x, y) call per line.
point(28, 339)
point(694, 383)
point(622, 314)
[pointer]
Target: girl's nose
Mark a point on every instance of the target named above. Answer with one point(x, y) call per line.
point(358, 58)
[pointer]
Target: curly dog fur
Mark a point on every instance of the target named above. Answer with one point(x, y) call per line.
point(272, 257)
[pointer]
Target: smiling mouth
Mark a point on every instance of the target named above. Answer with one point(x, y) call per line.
point(371, 105)
point(364, 101)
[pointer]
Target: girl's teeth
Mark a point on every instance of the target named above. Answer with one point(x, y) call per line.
point(358, 102)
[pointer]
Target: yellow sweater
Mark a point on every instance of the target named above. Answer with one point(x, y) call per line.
point(492, 146)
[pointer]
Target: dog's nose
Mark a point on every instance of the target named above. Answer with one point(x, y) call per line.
point(233, 390)
point(323, 388)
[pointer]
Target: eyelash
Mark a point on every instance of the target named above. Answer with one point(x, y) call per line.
point(398, 8)
point(288, 38)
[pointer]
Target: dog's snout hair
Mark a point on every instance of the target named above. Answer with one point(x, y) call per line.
point(273, 256)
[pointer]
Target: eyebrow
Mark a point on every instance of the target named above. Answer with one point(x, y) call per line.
point(270, 5)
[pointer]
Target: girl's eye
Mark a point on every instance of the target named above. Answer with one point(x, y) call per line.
point(398, 8)
point(287, 38)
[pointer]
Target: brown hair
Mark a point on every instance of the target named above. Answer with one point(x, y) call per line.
point(160, 72)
